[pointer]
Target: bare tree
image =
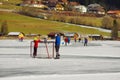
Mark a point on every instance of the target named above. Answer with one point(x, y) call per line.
point(4, 28)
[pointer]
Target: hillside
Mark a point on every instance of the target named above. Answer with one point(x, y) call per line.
point(11, 4)
point(21, 23)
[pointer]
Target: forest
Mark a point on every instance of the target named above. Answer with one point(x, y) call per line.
point(107, 4)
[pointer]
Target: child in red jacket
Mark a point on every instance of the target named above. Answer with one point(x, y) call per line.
point(36, 41)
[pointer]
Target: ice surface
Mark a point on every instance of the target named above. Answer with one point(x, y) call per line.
point(100, 60)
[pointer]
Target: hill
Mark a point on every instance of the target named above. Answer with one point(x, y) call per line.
point(11, 4)
point(21, 23)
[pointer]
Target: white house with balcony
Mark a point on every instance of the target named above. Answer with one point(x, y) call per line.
point(81, 8)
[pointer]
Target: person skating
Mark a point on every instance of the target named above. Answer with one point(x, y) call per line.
point(57, 46)
point(75, 39)
point(36, 41)
point(66, 41)
point(79, 39)
point(85, 41)
point(21, 37)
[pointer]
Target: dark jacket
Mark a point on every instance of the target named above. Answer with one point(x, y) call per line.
point(57, 40)
point(86, 40)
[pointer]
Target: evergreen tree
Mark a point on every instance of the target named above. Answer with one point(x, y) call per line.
point(4, 28)
point(107, 22)
point(114, 32)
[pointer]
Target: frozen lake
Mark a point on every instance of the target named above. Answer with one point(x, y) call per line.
point(99, 58)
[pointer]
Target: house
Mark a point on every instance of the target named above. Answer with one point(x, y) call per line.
point(26, 3)
point(72, 34)
point(57, 4)
point(114, 13)
point(52, 3)
point(1, 3)
point(95, 8)
point(33, 3)
point(95, 36)
point(80, 8)
point(59, 7)
point(52, 34)
point(73, 3)
point(64, 1)
point(37, 5)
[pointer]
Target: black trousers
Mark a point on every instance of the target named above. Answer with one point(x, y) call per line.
point(35, 51)
point(85, 44)
point(57, 49)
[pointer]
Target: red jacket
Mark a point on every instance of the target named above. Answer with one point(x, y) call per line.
point(66, 39)
point(36, 43)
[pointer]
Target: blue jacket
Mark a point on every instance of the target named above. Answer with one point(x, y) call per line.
point(57, 40)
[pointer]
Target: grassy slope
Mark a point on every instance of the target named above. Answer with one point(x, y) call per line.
point(10, 4)
point(17, 22)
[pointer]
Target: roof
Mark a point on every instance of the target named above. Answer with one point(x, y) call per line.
point(79, 6)
point(13, 33)
point(113, 11)
point(94, 5)
point(73, 3)
point(94, 35)
point(1, 3)
point(71, 34)
point(53, 33)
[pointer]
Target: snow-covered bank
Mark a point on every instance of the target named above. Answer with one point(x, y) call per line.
point(110, 76)
point(100, 29)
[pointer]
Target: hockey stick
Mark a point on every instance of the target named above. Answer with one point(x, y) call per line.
point(31, 48)
point(53, 50)
point(47, 50)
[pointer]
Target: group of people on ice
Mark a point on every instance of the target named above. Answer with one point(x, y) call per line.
point(83, 40)
point(67, 40)
point(57, 44)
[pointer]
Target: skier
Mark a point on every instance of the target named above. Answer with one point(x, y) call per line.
point(85, 41)
point(36, 41)
point(57, 45)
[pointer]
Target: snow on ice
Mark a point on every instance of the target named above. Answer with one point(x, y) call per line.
point(100, 60)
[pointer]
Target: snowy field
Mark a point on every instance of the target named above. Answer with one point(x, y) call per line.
point(100, 60)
